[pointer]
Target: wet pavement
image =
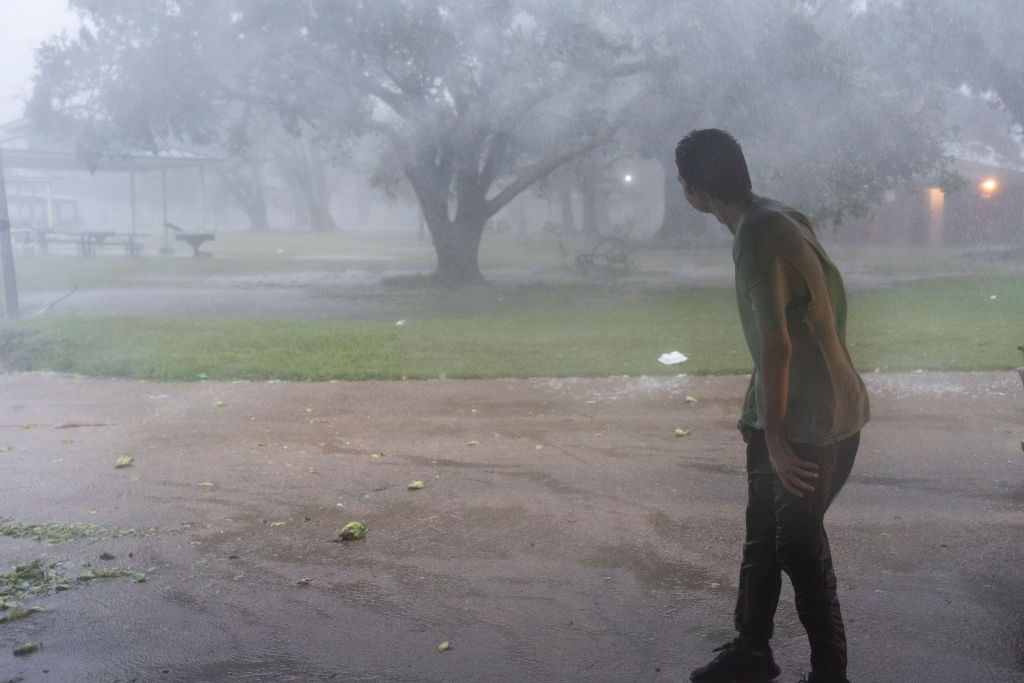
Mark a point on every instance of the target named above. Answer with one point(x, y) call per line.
point(565, 533)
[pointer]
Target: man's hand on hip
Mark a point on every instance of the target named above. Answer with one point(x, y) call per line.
point(797, 476)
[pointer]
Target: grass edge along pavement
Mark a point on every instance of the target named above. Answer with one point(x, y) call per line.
point(960, 324)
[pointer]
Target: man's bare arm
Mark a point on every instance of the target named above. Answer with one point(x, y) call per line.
point(795, 474)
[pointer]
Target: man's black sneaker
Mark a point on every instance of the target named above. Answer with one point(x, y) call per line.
point(823, 678)
point(736, 663)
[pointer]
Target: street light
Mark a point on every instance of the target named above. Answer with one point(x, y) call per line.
point(988, 187)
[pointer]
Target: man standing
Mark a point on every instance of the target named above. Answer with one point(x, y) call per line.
point(802, 414)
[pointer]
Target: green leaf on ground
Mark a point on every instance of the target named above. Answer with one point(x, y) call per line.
point(417, 485)
point(95, 574)
point(27, 649)
point(19, 612)
point(124, 461)
point(352, 531)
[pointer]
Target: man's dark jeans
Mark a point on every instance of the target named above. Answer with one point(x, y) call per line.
point(786, 533)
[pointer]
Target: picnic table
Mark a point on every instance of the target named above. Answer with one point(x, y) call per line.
point(25, 238)
point(195, 240)
point(88, 242)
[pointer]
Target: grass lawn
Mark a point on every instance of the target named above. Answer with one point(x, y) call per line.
point(953, 314)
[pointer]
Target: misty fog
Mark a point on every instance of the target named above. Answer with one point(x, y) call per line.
point(458, 120)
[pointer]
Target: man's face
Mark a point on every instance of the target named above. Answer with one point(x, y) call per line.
point(696, 198)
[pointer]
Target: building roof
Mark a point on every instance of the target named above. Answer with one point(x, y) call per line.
point(26, 149)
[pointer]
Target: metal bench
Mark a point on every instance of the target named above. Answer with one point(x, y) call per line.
point(195, 240)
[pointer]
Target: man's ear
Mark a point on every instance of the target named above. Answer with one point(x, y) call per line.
point(697, 196)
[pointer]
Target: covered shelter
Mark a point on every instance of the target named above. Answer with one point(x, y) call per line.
point(35, 164)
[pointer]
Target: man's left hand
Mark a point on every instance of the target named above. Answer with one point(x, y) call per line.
point(795, 474)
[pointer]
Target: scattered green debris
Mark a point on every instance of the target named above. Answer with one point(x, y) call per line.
point(66, 442)
point(473, 443)
point(206, 483)
point(5, 449)
point(682, 432)
point(94, 574)
point(27, 649)
point(124, 461)
point(30, 425)
point(19, 612)
point(691, 399)
point(113, 573)
point(219, 404)
point(52, 533)
point(31, 578)
point(352, 531)
point(417, 485)
point(445, 646)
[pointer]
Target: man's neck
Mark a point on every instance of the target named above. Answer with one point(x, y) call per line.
point(730, 214)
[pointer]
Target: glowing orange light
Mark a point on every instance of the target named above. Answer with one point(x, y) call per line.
point(988, 187)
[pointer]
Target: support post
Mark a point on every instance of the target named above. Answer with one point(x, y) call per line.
point(163, 194)
point(7, 250)
point(202, 199)
point(131, 176)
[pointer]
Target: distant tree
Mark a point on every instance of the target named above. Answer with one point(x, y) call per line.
point(242, 179)
point(821, 127)
point(947, 42)
point(481, 100)
point(306, 170)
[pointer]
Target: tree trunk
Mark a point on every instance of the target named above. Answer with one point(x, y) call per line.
point(320, 218)
point(299, 206)
point(248, 192)
point(568, 224)
point(675, 222)
point(256, 209)
point(588, 197)
point(319, 197)
point(457, 245)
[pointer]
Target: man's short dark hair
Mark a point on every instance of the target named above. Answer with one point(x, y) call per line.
point(712, 160)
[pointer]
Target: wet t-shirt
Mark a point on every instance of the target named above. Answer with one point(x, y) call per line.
point(784, 277)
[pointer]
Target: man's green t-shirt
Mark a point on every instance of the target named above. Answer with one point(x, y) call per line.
point(784, 277)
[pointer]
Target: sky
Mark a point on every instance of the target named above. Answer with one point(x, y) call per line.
point(24, 24)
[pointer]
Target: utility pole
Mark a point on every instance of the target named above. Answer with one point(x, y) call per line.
point(7, 250)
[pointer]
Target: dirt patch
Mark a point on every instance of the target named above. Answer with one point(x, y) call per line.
point(565, 532)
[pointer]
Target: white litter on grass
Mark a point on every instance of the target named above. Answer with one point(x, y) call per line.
point(993, 297)
point(671, 358)
point(400, 323)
